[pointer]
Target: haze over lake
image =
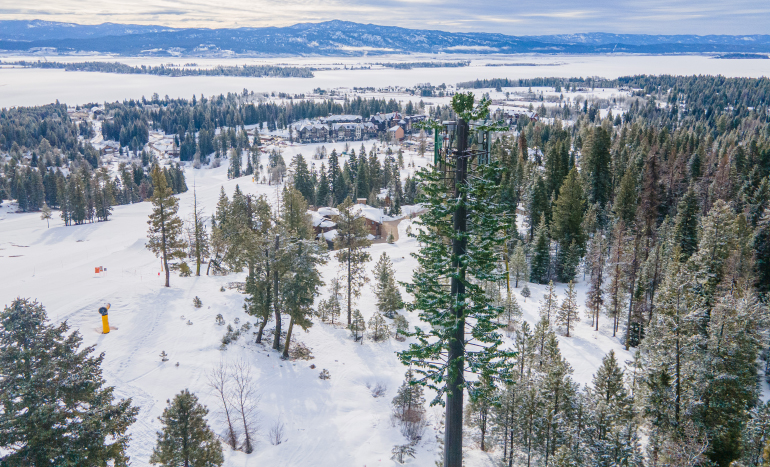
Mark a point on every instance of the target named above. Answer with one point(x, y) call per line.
point(29, 86)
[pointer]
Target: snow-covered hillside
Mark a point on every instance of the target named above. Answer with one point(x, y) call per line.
point(333, 422)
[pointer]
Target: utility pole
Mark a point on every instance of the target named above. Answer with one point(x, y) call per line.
point(453, 436)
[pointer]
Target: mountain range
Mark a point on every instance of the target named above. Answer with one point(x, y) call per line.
point(344, 38)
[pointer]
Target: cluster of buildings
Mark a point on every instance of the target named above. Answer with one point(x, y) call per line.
point(355, 128)
point(511, 116)
point(324, 220)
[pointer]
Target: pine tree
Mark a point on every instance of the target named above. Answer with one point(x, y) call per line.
point(541, 256)
point(717, 241)
point(557, 395)
point(549, 305)
point(615, 290)
point(45, 214)
point(336, 181)
point(56, 410)
point(409, 405)
point(625, 200)
point(611, 419)
point(511, 311)
point(350, 242)
point(518, 264)
point(301, 177)
point(165, 233)
point(525, 292)
point(595, 296)
point(686, 226)
point(595, 165)
point(322, 194)
point(567, 315)
point(330, 308)
point(357, 326)
point(729, 372)
point(388, 296)
point(200, 235)
point(300, 288)
point(761, 246)
point(378, 327)
point(235, 163)
point(186, 439)
point(567, 220)
point(478, 411)
point(538, 206)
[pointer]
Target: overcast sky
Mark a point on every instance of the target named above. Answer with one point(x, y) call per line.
point(502, 16)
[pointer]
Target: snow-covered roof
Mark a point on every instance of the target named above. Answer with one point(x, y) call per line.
point(328, 212)
point(330, 235)
point(371, 213)
point(317, 220)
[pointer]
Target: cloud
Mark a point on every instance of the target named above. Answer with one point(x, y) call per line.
point(516, 18)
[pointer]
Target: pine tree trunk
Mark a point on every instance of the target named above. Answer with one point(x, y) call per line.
point(277, 336)
point(631, 292)
point(197, 234)
point(288, 339)
point(350, 281)
point(269, 298)
point(163, 243)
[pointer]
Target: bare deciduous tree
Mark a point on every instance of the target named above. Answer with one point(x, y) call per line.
point(275, 435)
point(244, 399)
point(689, 450)
point(219, 378)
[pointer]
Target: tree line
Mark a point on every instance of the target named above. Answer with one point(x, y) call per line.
point(251, 71)
point(664, 214)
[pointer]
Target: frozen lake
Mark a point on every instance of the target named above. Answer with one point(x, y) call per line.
point(19, 86)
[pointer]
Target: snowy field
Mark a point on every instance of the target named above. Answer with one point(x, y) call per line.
point(19, 86)
point(56, 266)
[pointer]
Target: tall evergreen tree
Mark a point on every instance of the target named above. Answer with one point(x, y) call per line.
point(538, 206)
point(301, 177)
point(539, 269)
point(165, 232)
point(716, 242)
point(302, 258)
point(54, 407)
point(235, 163)
point(322, 189)
point(567, 314)
point(625, 199)
point(595, 261)
point(686, 226)
point(761, 245)
point(200, 235)
point(350, 243)
point(388, 296)
point(549, 305)
point(595, 165)
point(567, 226)
point(336, 182)
point(518, 264)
